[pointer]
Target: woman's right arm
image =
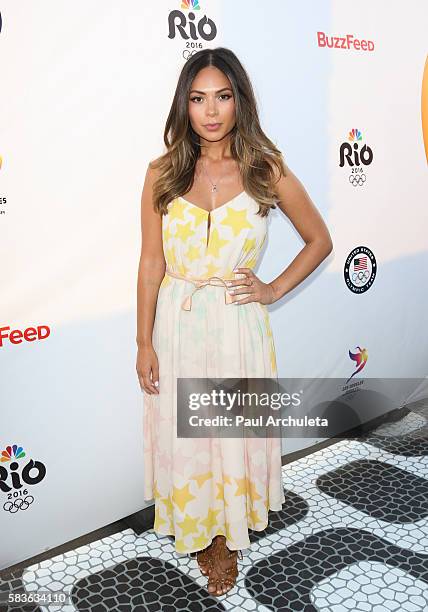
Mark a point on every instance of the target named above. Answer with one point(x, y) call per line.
point(151, 271)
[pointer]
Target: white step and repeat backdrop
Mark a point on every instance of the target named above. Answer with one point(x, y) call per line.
point(86, 88)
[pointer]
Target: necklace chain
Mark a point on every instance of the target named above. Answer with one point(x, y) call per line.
point(214, 187)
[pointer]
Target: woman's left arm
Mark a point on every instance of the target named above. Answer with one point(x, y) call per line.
point(295, 202)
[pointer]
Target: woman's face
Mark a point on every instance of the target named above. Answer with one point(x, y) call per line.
point(211, 101)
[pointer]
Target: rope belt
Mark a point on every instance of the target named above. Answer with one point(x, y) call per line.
point(200, 283)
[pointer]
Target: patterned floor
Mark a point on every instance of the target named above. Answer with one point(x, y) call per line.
point(352, 536)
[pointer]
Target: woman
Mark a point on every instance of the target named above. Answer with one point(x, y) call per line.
point(204, 211)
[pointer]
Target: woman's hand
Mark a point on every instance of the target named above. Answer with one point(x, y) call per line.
point(258, 290)
point(147, 367)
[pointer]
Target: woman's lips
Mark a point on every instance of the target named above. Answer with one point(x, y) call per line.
point(213, 127)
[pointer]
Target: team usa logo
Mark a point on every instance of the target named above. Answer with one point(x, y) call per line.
point(185, 23)
point(355, 155)
point(17, 477)
point(360, 269)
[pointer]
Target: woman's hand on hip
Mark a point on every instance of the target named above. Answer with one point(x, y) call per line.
point(258, 290)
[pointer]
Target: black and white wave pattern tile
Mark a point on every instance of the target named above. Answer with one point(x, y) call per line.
point(352, 536)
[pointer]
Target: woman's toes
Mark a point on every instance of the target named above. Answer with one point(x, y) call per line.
point(215, 588)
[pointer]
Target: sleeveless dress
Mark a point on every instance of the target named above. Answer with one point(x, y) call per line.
point(205, 487)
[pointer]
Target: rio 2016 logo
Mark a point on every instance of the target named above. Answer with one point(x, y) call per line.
point(355, 157)
point(13, 481)
point(189, 28)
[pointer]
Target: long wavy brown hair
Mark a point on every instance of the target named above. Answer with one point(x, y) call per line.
point(254, 152)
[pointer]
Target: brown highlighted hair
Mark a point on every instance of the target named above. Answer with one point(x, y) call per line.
point(254, 152)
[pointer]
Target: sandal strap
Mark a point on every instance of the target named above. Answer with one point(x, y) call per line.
point(220, 575)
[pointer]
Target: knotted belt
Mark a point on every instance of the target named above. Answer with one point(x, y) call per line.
point(199, 284)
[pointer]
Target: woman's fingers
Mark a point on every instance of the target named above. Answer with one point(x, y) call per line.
point(250, 289)
point(147, 367)
point(148, 383)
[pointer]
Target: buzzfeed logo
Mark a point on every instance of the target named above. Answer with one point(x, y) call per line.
point(346, 42)
point(30, 334)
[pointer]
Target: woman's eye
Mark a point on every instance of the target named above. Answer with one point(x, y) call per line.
point(199, 97)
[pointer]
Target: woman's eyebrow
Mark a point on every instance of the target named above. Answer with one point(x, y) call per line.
point(203, 92)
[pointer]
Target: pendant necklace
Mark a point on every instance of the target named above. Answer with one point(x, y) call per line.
point(214, 185)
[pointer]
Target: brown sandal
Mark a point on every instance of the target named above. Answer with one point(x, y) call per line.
point(223, 569)
point(203, 558)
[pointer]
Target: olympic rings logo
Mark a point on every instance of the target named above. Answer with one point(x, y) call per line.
point(187, 53)
point(18, 504)
point(357, 180)
point(361, 277)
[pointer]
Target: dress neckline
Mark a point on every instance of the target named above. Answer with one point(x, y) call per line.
point(217, 207)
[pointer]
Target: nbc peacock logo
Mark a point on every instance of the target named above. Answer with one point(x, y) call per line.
point(356, 156)
point(190, 4)
point(190, 26)
point(18, 476)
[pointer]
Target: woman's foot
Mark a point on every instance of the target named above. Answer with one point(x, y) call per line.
point(223, 567)
point(203, 558)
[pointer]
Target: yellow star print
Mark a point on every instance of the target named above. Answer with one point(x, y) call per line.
point(253, 492)
point(167, 233)
point(180, 546)
point(242, 486)
point(159, 521)
point(202, 478)
point(252, 262)
point(193, 253)
point(184, 231)
point(200, 542)
point(198, 213)
point(168, 505)
point(249, 245)
point(176, 211)
point(220, 494)
point(156, 493)
point(212, 269)
point(211, 519)
point(182, 496)
point(267, 324)
point(237, 220)
point(182, 268)
point(189, 525)
point(254, 517)
point(215, 243)
point(273, 358)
